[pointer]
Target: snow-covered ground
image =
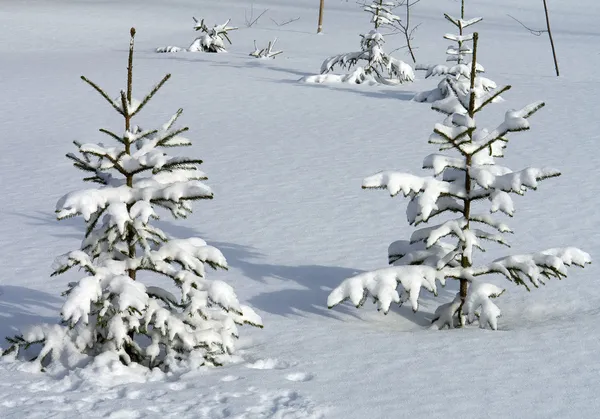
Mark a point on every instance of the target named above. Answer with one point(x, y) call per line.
point(286, 161)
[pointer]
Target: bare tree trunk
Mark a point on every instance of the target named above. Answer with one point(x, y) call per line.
point(406, 32)
point(551, 40)
point(321, 7)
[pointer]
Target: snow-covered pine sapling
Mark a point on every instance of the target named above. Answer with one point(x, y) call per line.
point(192, 319)
point(265, 52)
point(379, 67)
point(382, 13)
point(211, 40)
point(459, 69)
point(460, 184)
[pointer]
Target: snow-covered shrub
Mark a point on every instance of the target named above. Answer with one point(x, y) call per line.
point(447, 250)
point(459, 69)
point(211, 40)
point(111, 310)
point(379, 67)
point(266, 52)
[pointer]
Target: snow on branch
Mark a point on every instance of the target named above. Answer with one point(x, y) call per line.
point(376, 66)
point(266, 52)
point(382, 13)
point(513, 182)
point(536, 268)
point(415, 214)
point(479, 304)
point(514, 121)
point(462, 23)
point(87, 201)
point(74, 258)
point(381, 286)
point(429, 188)
point(456, 71)
point(432, 235)
point(489, 221)
point(445, 314)
point(189, 254)
point(211, 40)
point(459, 38)
point(404, 252)
point(440, 162)
point(55, 341)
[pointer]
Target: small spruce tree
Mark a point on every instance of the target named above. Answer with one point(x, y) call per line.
point(267, 52)
point(111, 309)
point(379, 67)
point(211, 39)
point(460, 183)
point(458, 73)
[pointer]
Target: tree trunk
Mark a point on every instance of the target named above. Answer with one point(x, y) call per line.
point(129, 180)
point(464, 284)
point(407, 33)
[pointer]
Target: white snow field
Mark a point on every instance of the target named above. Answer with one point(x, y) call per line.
point(286, 161)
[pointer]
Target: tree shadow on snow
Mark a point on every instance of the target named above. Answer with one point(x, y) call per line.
point(264, 65)
point(73, 227)
point(235, 61)
point(381, 92)
point(309, 285)
point(20, 307)
point(183, 56)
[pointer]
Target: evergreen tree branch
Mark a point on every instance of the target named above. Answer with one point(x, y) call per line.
point(452, 20)
point(162, 142)
point(112, 135)
point(115, 162)
point(492, 97)
point(462, 99)
point(505, 127)
point(80, 164)
point(142, 135)
point(95, 179)
point(103, 94)
point(453, 141)
point(154, 293)
point(94, 221)
point(173, 119)
point(149, 96)
point(177, 163)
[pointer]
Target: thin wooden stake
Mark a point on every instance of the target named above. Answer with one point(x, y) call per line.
point(321, 8)
point(551, 40)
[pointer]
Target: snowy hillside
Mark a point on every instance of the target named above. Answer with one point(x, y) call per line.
point(286, 161)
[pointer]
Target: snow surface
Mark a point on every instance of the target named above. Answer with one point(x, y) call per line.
point(286, 161)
